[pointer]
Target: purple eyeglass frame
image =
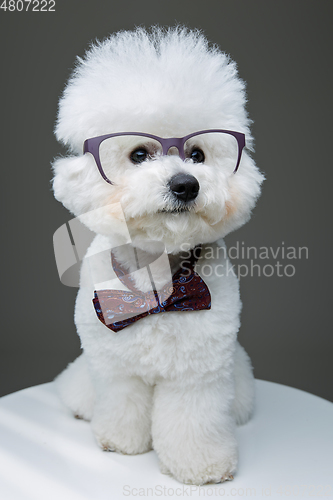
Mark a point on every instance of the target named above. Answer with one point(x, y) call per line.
point(92, 145)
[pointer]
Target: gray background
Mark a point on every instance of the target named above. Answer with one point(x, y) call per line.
point(284, 52)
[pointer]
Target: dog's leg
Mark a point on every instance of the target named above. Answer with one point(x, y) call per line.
point(122, 415)
point(193, 430)
point(243, 404)
point(75, 388)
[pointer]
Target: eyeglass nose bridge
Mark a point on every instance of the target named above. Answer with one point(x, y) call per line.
point(177, 142)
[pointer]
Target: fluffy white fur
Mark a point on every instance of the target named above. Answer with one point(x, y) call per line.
point(177, 382)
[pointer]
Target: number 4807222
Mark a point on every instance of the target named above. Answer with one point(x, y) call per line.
point(25, 5)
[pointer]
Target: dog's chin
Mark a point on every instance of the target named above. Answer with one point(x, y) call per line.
point(177, 228)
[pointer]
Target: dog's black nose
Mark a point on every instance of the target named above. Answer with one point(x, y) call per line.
point(184, 187)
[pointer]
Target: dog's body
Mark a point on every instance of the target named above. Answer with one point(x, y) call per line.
point(177, 381)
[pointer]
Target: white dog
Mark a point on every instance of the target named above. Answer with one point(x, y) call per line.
point(177, 382)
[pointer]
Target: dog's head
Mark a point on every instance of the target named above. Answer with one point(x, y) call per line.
point(166, 84)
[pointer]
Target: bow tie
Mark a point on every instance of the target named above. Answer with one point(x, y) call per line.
point(118, 309)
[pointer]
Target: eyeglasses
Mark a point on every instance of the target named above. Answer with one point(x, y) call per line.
point(222, 146)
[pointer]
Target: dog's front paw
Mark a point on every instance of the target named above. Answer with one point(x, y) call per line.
point(128, 441)
point(129, 446)
point(214, 473)
point(201, 467)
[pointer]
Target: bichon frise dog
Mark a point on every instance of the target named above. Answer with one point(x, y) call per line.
point(166, 170)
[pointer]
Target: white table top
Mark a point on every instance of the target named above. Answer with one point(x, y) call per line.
point(286, 450)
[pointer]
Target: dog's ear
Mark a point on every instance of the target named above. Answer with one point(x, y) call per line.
point(71, 182)
point(244, 190)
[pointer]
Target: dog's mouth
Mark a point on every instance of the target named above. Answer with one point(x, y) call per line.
point(176, 207)
point(178, 210)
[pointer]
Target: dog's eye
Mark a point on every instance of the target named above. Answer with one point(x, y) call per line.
point(139, 155)
point(197, 156)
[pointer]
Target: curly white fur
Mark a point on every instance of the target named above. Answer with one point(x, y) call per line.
point(177, 382)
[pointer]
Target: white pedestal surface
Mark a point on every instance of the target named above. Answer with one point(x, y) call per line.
point(286, 450)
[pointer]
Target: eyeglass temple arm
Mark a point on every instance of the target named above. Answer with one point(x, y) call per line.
point(241, 145)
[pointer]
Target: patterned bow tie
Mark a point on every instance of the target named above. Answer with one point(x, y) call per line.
point(184, 293)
